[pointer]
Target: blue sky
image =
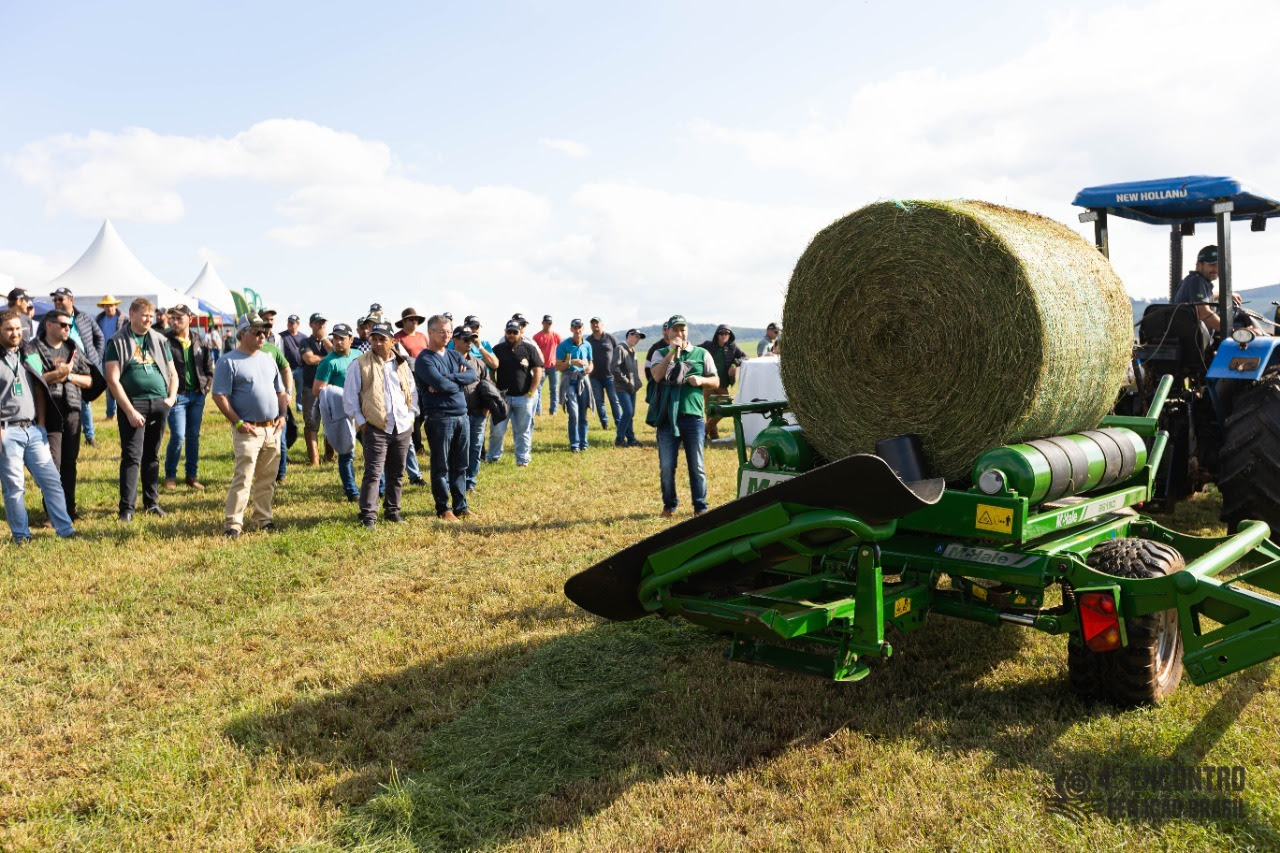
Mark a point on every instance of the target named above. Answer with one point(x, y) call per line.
point(582, 158)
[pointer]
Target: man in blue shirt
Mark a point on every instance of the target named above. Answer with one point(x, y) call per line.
point(442, 373)
point(108, 321)
point(1198, 287)
point(573, 359)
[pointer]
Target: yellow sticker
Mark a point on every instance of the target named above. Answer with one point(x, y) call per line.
point(901, 606)
point(999, 519)
point(980, 592)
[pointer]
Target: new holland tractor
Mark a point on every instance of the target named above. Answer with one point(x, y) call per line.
point(1223, 414)
point(819, 564)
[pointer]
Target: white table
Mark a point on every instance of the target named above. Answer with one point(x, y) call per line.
point(759, 379)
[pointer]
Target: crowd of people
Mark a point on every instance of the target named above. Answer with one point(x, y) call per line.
point(418, 385)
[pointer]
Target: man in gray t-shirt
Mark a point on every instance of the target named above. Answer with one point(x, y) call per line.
point(247, 389)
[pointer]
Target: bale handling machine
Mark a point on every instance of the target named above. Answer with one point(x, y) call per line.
point(816, 563)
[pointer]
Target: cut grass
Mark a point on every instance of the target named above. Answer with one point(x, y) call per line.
point(429, 687)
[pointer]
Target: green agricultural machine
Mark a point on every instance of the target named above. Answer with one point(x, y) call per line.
point(817, 563)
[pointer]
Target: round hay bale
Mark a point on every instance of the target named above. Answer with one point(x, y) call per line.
point(971, 324)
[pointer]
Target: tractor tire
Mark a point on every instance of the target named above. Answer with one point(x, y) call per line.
point(1249, 478)
point(1148, 670)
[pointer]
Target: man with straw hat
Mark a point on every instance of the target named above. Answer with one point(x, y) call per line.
point(108, 321)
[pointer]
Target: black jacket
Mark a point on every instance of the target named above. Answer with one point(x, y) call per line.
point(91, 334)
point(72, 395)
point(626, 375)
point(200, 352)
point(724, 356)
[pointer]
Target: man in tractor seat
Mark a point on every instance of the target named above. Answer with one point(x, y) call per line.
point(1198, 287)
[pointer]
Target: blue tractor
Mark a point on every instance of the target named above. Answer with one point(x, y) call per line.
point(1223, 415)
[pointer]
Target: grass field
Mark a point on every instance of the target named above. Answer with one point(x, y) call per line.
point(429, 687)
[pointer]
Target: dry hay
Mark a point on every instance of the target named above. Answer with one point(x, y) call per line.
point(968, 323)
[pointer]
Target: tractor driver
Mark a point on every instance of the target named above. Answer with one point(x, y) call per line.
point(1198, 287)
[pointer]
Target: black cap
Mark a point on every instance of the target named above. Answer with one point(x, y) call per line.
point(447, 315)
point(294, 318)
point(465, 332)
point(63, 291)
point(546, 318)
point(575, 323)
point(375, 308)
point(319, 318)
point(773, 327)
point(18, 293)
point(1208, 255)
point(641, 335)
point(513, 325)
point(470, 320)
point(186, 312)
point(340, 330)
point(519, 318)
point(383, 329)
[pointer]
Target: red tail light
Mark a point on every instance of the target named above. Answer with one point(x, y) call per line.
point(1099, 621)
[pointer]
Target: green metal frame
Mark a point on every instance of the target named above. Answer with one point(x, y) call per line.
point(842, 583)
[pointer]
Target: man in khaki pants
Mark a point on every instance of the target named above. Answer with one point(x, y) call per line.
point(249, 392)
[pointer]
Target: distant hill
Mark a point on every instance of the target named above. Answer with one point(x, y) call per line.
point(1255, 299)
point(698, 332)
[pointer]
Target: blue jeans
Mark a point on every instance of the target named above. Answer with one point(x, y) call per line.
point(605, 385)
point(29, 446)
point(86, 418)
point(284, 455)
point(297, 387)
point(693, 431)
point(474, 447)
point(550, 377)
point(347, 473)
point(626, 420)
point(184, 425)
point(411, 465)
point(521, 421)
point(575, 406)
point(447, 436)
point(111, 405)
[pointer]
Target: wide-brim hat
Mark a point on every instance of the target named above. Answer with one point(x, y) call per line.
point(107, 301)
point(409, 314)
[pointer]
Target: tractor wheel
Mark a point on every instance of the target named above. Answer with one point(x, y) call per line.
point(1249, 478)
point(1148, 670)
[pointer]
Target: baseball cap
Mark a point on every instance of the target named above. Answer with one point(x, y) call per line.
point(375, 308)
point(447, 315)
point(265, 311)
point(18, 293)
point(340, 330)
point(773, 327)
point(319, 318)
point(383, 329)
point(63, 291)
point(676, 320)
point(575, 323)
point(183, 310)
point(465, 332)
point(519, 318)
point(595, 319)
point(641, 335)
point(513, 325)
point(470, 320)
point(250, 321)
point(294, 318)
point(546, 318)
point(1208, 255)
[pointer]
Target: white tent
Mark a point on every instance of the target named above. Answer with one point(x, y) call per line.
point(108, 266)
point(211, 293)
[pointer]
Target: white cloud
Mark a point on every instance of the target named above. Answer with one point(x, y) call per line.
point(340, 186)
point(29, 270)
point(568, 147)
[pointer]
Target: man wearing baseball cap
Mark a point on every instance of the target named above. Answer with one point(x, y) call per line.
point(573, 359)
point(547, 341)
point(604, 346)
point(1197, 287)
point(312, 349)
point(380, 395)
point(626, 379)
point(765, 345)
point(108, 320)
point(268, 316)
point(19, 304)
point(442, 375)
point(89, 338)
point(518, 376)
point(250, 393)
point(681, 372)
point(194, 363)
point(338, 427)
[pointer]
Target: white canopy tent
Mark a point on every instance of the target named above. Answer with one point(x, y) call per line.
point(212, 294)
point(109, 267)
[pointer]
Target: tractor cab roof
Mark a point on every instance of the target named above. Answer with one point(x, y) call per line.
point(1169, 201)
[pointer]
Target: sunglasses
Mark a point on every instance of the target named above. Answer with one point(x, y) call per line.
point(258, 333)
point(64, 325)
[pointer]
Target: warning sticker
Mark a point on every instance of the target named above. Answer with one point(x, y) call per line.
point(999, 519)
point(901, 607)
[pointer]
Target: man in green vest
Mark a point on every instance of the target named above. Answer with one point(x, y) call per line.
point(678, 412)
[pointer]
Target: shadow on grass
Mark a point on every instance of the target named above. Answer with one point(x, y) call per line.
point(492, 747)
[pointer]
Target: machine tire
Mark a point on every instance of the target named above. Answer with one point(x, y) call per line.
point(1148, 670)
point(1249, 478)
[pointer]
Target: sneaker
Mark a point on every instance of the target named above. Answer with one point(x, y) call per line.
point(193, 483)
point(471, 490)
point(125, 516)
point(269, 527)
point(417, 481)
point(619, 443)
point(72, 535)
point(91, 442)
point(156, 511)
point(522, 464)
point(394, 518)
point(668, 513)
point(465, 513)
point(447, 515)
point(633, 443)
point(698, 512)
point(170, 484)
point(232, 533)
point(352, 498)
point(369, 524)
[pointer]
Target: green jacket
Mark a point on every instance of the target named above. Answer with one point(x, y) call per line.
point(670, 402)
